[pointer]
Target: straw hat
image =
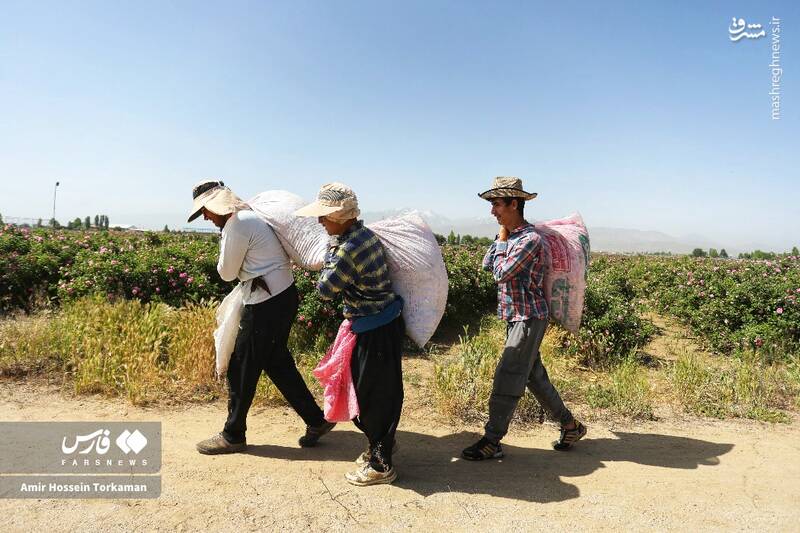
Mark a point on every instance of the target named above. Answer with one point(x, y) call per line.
point(216, 197)
point(507, 187)
point(334, 200)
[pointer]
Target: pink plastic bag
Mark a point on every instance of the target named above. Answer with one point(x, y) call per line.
point(566, 247)
point(333, 373)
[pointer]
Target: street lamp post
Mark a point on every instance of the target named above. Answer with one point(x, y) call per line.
point(55, 190)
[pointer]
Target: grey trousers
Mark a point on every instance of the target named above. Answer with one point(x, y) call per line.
point(521, 365)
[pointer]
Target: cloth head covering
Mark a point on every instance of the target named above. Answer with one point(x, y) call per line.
point(335, 200)
point(507, 187)
point(216, 197)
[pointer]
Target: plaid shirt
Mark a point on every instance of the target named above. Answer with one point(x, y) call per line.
point(517, 266)
point(356, 267)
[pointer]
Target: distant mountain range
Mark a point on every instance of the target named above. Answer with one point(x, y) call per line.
point(603, 239)
point(619, 240)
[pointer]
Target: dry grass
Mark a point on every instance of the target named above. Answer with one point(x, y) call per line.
point(155, 353)
point(26, 345)
point(627, 392)
point(145, 352)
point(746, 387)
point(463, 378)
point(671, 370)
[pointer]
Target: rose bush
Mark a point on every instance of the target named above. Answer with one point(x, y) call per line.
point(728, 304)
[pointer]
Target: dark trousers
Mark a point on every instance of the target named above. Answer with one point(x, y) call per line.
point(261, 346)
point(378, 378)
point(521, 366)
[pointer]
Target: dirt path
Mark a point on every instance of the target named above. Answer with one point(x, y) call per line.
point(666, 476)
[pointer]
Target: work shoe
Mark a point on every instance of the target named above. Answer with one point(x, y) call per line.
point(569, 437)
point(483, 449)
point(219, 444)
point(363, 459)
point(366, 475)
point(313, 434)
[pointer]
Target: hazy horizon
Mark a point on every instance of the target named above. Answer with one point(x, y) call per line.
point(660, 122)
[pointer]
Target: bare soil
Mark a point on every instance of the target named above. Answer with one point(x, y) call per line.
point(677, 474)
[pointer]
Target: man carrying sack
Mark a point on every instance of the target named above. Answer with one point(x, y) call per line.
point(250, 252)
point(355, 267)
point(516, 260)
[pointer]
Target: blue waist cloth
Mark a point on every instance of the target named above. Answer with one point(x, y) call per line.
point(390, 312)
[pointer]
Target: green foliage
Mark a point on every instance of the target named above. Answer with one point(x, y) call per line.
point(727, 304)
point(143, 267)
point(612, 326)
point(452, 239)
point(472, 291)
point(698, 252)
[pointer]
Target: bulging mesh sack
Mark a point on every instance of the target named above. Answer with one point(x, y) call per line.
point(566, 247)
point(415, 262)
point(417, 271)
point(303, 238)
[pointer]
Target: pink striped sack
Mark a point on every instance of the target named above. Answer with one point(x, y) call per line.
point(333, 373)
point(566, 247)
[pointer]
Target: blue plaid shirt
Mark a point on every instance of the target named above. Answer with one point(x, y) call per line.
point(356, 268)
point(517, 267)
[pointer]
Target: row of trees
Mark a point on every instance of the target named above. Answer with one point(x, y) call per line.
point(712, 252)
point(100, 222)
point(757, 254)
point(454, 239)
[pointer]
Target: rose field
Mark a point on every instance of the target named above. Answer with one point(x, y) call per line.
point(131, 314)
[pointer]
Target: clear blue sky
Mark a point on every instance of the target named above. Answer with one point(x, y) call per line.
point(637, 114)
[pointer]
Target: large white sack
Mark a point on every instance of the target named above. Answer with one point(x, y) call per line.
point(566, 246)
point(415, 262)
point(303, 238)
point(417, 271)
point(229, 315)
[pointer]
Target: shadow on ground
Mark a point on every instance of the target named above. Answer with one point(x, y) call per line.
point(428, 464)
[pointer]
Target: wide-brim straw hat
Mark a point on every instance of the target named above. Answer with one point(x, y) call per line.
point(216, 197)
point(335, 200)
point(507, 187)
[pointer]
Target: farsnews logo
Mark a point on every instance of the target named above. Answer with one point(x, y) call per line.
point(131, 442)
point(99, 442)
point(737, 31)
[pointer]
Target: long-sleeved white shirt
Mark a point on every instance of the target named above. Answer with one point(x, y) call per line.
point(248, 249)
